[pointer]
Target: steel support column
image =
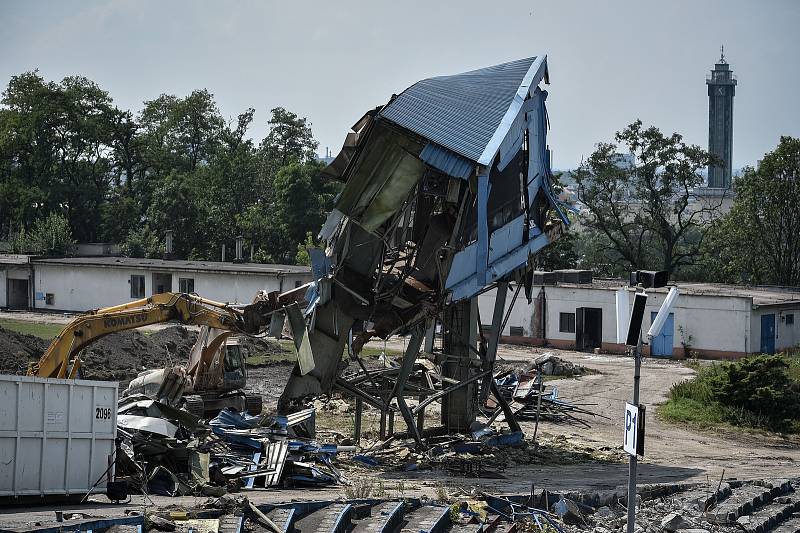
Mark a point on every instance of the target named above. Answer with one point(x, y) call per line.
point(459, 329)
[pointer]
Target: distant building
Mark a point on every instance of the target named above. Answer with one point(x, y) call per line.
point(721, 89)
point(710, 320)
point(84, 283)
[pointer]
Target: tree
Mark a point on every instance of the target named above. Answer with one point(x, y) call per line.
point(54, 140)
point(143, 242)
point(758, 241)
point(49, 236)
point(289, 140)
point(644, 204)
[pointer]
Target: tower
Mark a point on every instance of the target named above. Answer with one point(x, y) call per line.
point(721, 88)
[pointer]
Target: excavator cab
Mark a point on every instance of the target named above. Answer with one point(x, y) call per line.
point(234, 374)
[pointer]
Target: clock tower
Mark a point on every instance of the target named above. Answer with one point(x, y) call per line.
point(721, 88)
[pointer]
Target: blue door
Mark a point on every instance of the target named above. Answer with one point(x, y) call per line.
point(768, 333)
point(661, 346)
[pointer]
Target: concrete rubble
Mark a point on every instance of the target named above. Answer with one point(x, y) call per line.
point(678, 507)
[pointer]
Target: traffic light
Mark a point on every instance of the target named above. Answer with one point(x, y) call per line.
point(649, 279)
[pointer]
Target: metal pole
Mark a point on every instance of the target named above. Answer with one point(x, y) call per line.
point(637, 354)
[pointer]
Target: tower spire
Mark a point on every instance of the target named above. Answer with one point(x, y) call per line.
point(722, 54)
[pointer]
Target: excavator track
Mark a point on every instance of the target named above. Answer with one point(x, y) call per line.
point(194, 404)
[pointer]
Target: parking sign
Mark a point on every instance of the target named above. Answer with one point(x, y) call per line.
point(633, 442)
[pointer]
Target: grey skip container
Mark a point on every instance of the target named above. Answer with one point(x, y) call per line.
point(56, 435)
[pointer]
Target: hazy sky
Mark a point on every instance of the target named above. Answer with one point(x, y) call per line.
point(610, 62)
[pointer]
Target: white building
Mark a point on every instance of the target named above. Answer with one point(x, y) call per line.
point(716, 321)
point(84, 283)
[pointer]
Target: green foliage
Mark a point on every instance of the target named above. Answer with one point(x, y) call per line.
point(49, 236)
point(757, 392)
point(638, 194)
point(560, 254)
point(756, 241)
point(177, 165)
point(142, 242)
point(302, 257)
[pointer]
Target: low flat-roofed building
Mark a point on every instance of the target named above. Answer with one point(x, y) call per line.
point(707, 320)
point(84, 283)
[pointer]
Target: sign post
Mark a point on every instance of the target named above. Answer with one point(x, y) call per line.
point(633, 412)
point(633, 442)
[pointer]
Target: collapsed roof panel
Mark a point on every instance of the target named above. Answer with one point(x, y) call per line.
point(461, 112)
point(447, 190)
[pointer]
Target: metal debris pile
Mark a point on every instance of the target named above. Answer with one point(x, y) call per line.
point(168, 451)
point(531, 398)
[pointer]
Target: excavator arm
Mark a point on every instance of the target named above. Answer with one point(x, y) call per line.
point(61, 358)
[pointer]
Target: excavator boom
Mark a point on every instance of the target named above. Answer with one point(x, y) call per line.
point(60, 360)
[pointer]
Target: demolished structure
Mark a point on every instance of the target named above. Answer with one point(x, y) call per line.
point(446, 194)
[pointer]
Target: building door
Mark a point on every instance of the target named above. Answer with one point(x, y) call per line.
point(661, 346)
point(588, 328)
point(768, 333)
point(17, 290)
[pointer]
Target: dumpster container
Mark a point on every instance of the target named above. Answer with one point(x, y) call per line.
point(56, 435)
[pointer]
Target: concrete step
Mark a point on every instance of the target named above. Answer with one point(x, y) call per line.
point(792, 525)
point(768, 517)
point(385, 517)
point(746, 499)
point(283, 518)
point(335, 518)
point(427, 519)
point(230, 523)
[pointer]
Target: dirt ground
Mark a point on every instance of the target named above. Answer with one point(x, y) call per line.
point(672, 452)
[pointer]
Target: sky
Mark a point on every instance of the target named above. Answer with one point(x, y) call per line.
point(610, 62)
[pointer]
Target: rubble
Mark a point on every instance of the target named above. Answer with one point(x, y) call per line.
point(168, 451)
point(531, 399)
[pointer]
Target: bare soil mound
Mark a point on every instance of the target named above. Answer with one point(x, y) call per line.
point(120, 356)
point(18, 349)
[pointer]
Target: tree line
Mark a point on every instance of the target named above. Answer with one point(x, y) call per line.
point(641, 205)
point(74, 167)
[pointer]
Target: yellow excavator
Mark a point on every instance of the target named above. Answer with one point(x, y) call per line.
point(215, 375)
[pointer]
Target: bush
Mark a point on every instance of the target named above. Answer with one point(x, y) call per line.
point(759, 392)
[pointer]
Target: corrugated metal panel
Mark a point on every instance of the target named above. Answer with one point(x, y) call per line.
point(275, 458)
point(447, 161)
point(463, 111)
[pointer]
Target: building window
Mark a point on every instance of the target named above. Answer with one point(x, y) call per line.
point(566, 322)
point(789, 319)
point(297, 283)
point(516, 331)
point(137, 286)
point(186, 285)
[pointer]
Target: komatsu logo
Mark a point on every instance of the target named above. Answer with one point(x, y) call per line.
point(124, 320)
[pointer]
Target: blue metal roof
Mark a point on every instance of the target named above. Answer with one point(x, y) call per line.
point(468, 113)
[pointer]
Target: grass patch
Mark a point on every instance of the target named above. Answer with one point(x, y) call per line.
point(45, 331)
point(758, 392)
point(271, 359)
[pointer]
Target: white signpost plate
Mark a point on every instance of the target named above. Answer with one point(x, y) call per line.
point(631, 429)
